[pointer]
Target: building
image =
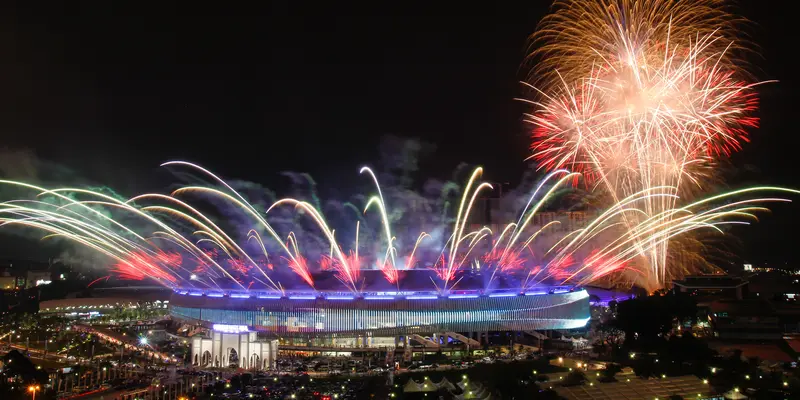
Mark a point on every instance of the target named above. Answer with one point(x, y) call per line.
point(124, 303)
point(21, 274)
point(234, 346)
point(760, 306)
point(745, 319)
point(713, 286)
point(95, 307)
point(378, 315)
point(338, 322)
point(774, 285)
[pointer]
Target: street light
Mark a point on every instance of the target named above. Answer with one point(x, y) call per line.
point(33, 389)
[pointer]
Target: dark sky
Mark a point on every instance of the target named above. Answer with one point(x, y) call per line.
point(260, 91)
point(112, 90)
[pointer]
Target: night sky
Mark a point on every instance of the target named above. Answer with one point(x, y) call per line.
point(113, 90)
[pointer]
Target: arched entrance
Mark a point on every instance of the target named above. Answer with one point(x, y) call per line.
point(233, 357)
point(255, 361)
point(205, 359)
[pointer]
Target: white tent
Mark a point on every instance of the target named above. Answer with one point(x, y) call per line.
point(734, 395)
point(446, 384)
point(427, 385)
point(411, 387)
point(478, 393)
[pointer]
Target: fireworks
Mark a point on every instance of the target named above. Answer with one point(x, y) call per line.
point(637, 97)
point(640, 96)
point(169, 240)
point(579, 37)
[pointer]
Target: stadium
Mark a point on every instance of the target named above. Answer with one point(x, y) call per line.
point(381, 318)
point(385, 314)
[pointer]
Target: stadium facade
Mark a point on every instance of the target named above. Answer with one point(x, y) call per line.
point(385, 315)
point(246, 320)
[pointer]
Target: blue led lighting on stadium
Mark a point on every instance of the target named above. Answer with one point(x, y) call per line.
point(421, 313)
point(463, 296)
point(413, 295)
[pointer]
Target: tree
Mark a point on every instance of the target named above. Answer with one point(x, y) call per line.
point(607, 375)
point(650, 317)
point(609, 338)
point(644, 367)
point(27, 322)
point(17, 365)
point(686, 348)
point(575, 378)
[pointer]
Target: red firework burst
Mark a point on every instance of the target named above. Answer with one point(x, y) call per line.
point(139, 266)
point(300, 266)
point(348, 272)
point(239, 266)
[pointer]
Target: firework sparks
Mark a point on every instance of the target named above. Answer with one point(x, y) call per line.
point(140, 266)
point(299, 265)
point(207, 256)
point(639, 95)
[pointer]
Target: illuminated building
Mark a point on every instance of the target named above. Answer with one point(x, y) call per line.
point(385, 315)
point(233, 345)
point(380, 319)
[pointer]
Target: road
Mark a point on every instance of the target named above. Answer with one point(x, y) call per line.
point(109, 394)
point(105, 395)
point(118, 339)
